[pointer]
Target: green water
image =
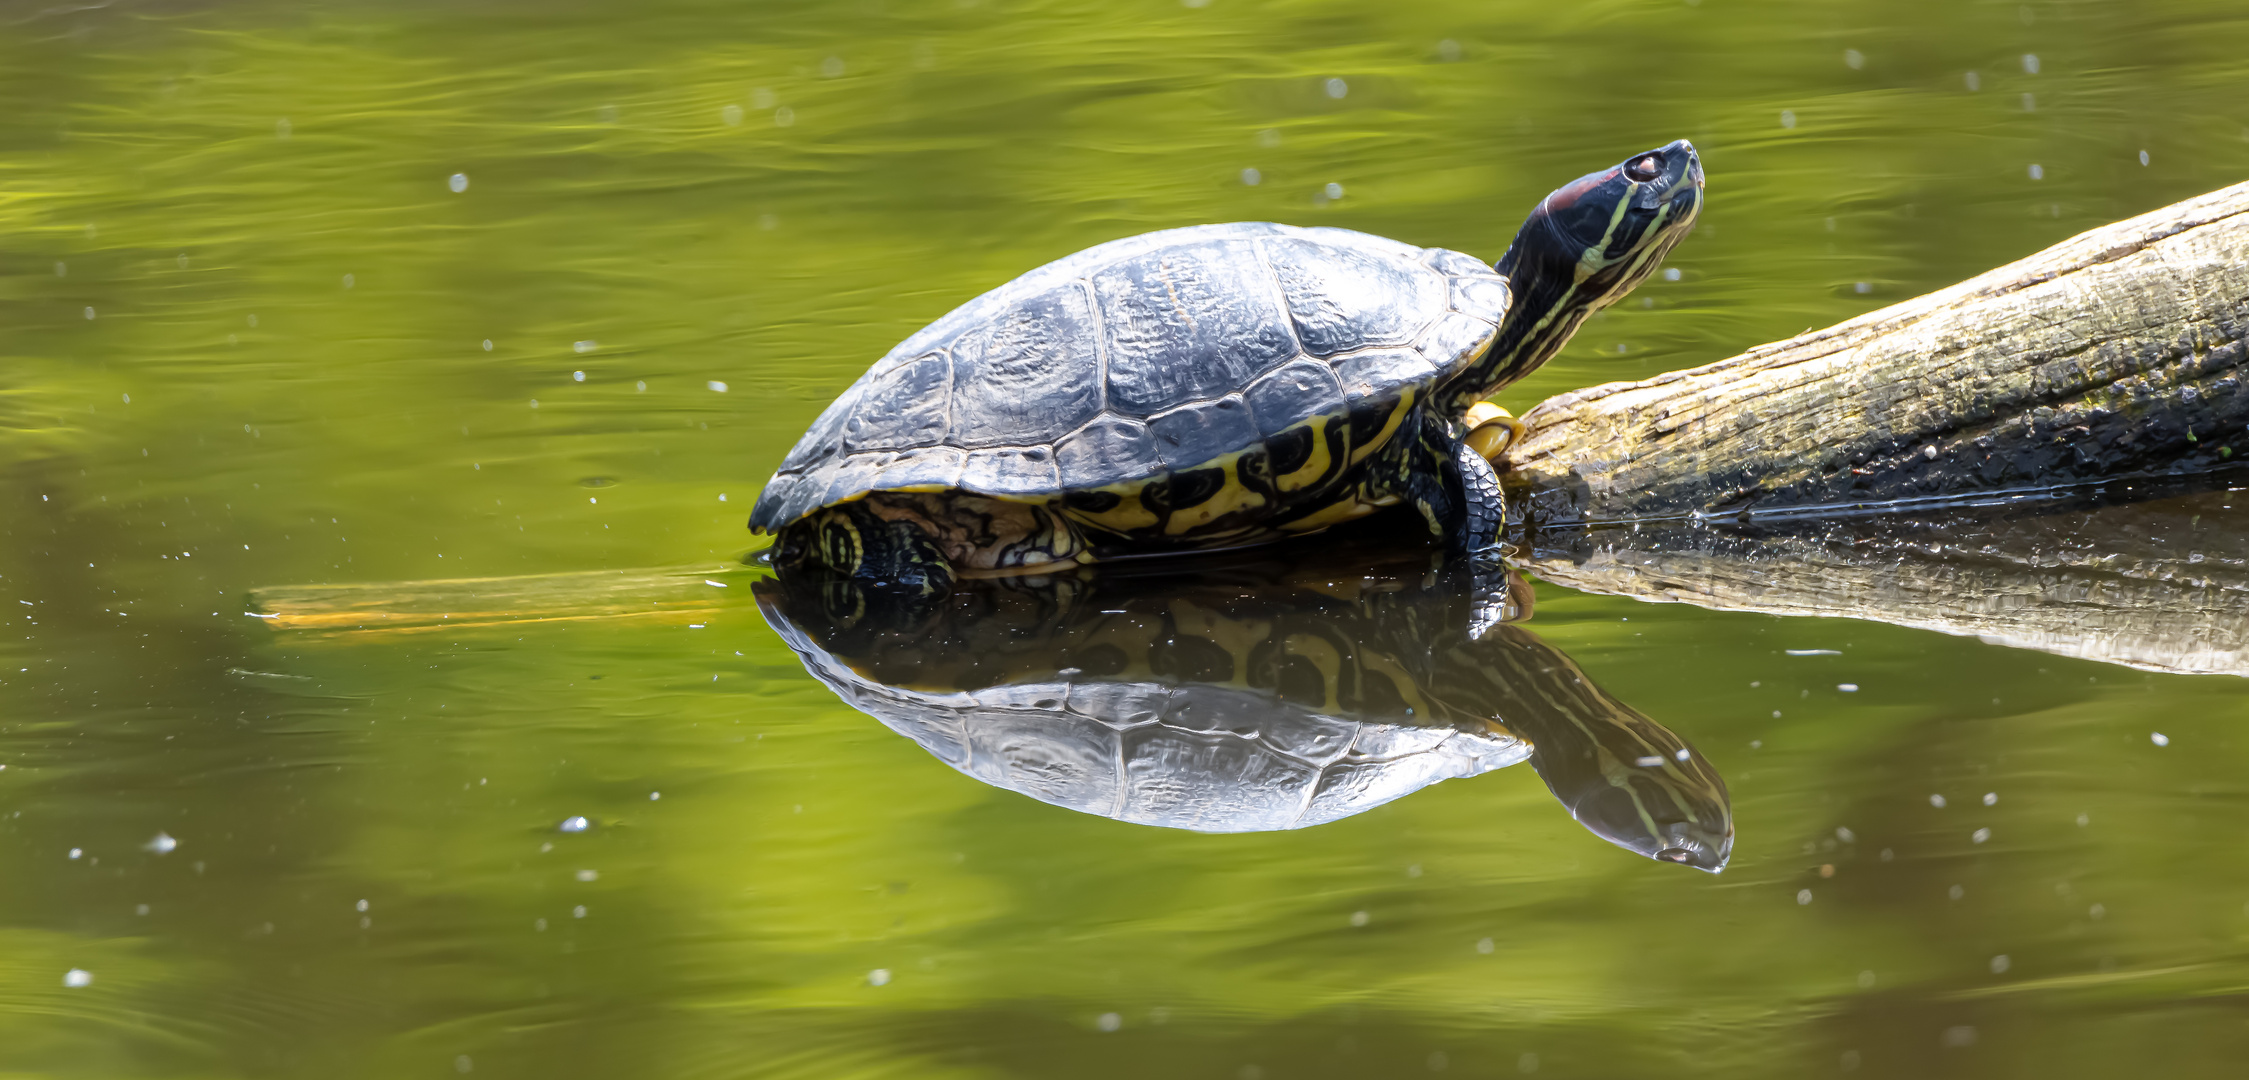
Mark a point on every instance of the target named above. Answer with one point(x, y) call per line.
point(254, 334)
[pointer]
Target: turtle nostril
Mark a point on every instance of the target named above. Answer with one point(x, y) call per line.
point(1645, 169)
point(1677, 855)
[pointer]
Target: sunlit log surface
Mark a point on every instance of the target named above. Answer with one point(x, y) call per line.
point(2118, 352)
point(2146, 584)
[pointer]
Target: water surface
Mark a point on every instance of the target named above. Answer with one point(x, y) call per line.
point(356, 294)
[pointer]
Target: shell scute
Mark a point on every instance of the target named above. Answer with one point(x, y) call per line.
point(1293, 394)
point(1110, 450)
point(1028, 373)
point(1005, 471)
point(1187, 323)
point(1351, 296)
point(908, 406)
point(1195, 434)
point(1454, 339)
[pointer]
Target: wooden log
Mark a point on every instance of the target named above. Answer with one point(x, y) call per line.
point(2150, 585)
point(2118, 352)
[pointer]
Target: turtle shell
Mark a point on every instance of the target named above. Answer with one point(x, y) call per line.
point(1144, 358)
point(1193, 755)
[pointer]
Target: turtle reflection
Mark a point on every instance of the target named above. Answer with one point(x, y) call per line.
point(1250, 699)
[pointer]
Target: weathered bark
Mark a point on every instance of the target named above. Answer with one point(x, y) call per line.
point(2119, 352)
point(2148, 585)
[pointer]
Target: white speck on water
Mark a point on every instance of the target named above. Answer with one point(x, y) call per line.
point(2143, 157)
point(1980, 835)
point(574, 824)
point(281, 128)
point(129, 400)
point(589, 875)
point(2038, 172)
point(161, 844)
point(640, 386)
point(1991, 798)
point(360, 906)
point(77, 977)
point(1252, 177)
point(761, 98)
point(1358, 918)
point(1813, 652)
point(2084, 820)
point(1788, 118)
point(534, 403)
point(1854, 59)
point(1847, 687)
point(487, 344)
point(832, 67)
point(1937, 801)
point(1866, 980)
point(2030, 63)
point(578, 912)
point(1448, 50)
point(2000, 964)
point(2030, 103)
point(1528, 1063)
point(62, 270)
point(1756, 744)
point(459, 182)
point(2159, 738)
point(2097, 910)
point(878, 977)
point(730, 115)
point(350, 280)
point(1803, 896)
point(1649, 761)
point(1846, 835)
point(1682, 753)
point(1108, 1021)
point(1484, 946)
point(655, 795)
point(585, 346)
point(577, 376)
point(462, 1064)
point(1332, 191)
point(784, 116)
point(540, 925)
point(1975, 82)
point(722, 496)
point(1776, 714)
point(1671, 273)
point(1337, 88)
point(140, 909)
point(1862, 288)
point(1962, 1035)
point(716, 386)
point(590, 499)
point(89, 314)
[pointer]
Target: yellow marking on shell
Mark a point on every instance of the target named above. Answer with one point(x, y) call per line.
point(1322, 655)
point(1231, 495)
point(1129, 515)
point(1236, 637)
point(1398, 413)
point(1348, 507)
point(1315, 468)
point(1409, 688)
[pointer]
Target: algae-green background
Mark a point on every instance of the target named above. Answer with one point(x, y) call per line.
point(242, 326)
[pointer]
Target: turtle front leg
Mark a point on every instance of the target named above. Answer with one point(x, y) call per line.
point(853, 541)
point(1445, 479)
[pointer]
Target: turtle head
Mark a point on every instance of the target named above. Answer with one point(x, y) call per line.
point(1675, 810)
point(1584, 247)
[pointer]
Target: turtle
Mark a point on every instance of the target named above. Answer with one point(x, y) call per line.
point(1210, 387)
point(1247, 698)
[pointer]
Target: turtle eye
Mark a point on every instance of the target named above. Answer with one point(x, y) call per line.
point(1644, 169)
